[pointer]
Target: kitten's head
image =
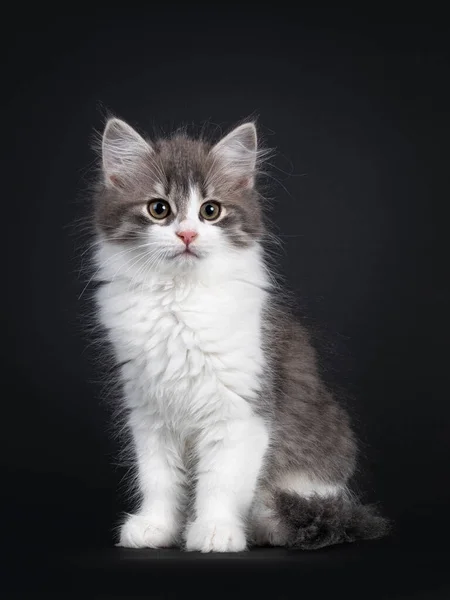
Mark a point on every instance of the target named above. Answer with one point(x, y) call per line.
point(179, 198)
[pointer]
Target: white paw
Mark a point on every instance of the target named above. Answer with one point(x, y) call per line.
point(215, 536)
point(141, 531)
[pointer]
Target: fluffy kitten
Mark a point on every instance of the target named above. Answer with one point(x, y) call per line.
point(236, 439)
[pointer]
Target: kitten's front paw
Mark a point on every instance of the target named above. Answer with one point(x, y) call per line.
point(141, 531)
point(215, 536)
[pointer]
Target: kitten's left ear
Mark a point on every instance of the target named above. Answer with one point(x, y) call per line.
point(238, 152)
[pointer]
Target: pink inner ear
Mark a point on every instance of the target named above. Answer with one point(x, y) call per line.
point(115, 181)
point(245, 182)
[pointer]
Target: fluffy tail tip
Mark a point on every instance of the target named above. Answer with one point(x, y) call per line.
point(318, 521)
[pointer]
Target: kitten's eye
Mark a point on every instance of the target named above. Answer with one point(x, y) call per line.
point(210, 211)
point(158, 209)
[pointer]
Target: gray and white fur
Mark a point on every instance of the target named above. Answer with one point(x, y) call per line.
point(236, 439)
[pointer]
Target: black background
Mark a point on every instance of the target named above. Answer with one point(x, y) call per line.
point(357, 107)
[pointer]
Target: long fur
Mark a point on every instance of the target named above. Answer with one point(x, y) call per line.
point(236, 439)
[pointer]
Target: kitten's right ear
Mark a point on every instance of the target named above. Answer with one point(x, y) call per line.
point(123, 153)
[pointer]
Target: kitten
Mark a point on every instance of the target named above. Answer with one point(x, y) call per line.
point(236, 439)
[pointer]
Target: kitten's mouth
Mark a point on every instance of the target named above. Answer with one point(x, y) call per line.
point(187, 252)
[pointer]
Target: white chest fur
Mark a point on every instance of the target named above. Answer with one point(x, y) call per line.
point(191, 342)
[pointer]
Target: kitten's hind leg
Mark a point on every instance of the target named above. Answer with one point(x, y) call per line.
point(161, 480)
point(265, 526)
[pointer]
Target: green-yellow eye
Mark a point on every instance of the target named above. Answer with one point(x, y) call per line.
point(158, 209)
point(210, 211)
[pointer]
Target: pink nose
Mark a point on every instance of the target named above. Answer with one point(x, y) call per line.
point(187, 236)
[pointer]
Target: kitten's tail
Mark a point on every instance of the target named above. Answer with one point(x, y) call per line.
point(317, 521)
